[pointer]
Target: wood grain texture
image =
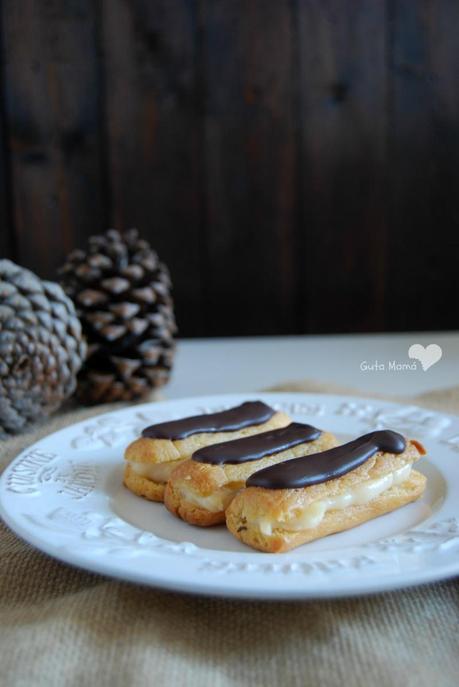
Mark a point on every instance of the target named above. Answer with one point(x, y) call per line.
point(250, 166)
point(51, 94)
point(342, 77)
point(424, 171)
point(294, 162)
point(154, 136)
point(7, 244)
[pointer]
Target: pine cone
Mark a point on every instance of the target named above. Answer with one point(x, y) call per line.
point(41, 349)
point(122, 295)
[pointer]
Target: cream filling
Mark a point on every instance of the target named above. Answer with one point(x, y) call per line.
point(312, 515)
point(157, 472)
point(214, 503)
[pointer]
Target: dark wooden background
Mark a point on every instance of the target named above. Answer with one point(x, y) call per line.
point(295, 162)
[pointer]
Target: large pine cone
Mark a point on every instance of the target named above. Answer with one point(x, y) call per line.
point(41, 349)
point(122, 295)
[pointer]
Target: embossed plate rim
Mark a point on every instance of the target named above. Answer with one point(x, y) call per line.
point(254, 575)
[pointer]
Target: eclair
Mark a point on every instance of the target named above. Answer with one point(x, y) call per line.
point(151, 458)
point(295, 502)
point(200, 489)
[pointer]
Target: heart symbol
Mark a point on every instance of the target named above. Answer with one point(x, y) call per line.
point(427, 356)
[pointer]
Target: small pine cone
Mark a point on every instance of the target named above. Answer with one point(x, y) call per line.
point(41, 347)
point(122, 294)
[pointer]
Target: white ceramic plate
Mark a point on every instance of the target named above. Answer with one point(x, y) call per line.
point(64, 495)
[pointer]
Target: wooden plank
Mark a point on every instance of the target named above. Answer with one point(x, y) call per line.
point(250, 165)
point(154, 126)
point(424, 163)
point(342, 83)
point(52, 111)
point(6, 233)
point(6, 227)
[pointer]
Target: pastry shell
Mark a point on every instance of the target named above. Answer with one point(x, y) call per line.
point(256, 505)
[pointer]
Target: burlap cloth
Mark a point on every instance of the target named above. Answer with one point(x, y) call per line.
point(62, 626)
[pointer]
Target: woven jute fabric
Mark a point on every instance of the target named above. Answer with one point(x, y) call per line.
point(62, 626)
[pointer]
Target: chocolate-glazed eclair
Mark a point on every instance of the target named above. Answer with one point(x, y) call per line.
point(151, 459)
point(200, 489)
point(298, 501)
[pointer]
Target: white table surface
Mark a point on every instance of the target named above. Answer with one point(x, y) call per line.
point(207, 366)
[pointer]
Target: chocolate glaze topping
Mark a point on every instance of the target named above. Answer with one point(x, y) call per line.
point(321, 467)
point(257, 446)
point(245, 415)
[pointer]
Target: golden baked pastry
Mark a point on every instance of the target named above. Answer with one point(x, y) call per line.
point(288, 505)
point(151, 459)
point(200, 489)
